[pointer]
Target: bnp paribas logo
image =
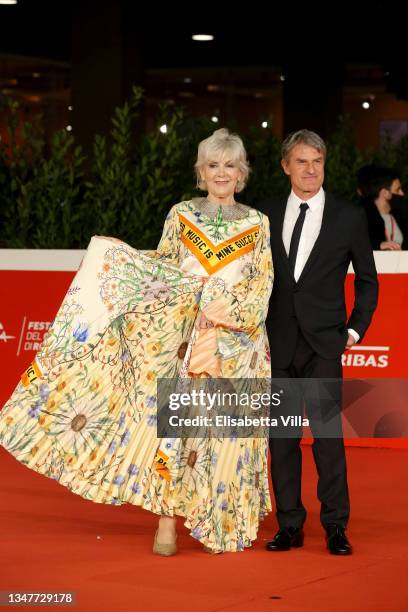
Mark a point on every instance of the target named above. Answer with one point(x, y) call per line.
point(3, 334)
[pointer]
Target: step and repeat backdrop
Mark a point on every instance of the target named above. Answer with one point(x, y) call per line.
point(34, 282)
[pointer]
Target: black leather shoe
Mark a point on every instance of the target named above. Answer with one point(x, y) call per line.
point(337, 542)
point(287, 538)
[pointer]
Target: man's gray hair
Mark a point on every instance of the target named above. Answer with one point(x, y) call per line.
point(306, 137)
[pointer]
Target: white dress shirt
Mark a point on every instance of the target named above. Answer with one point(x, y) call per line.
point(392, 229)
point(310, 230)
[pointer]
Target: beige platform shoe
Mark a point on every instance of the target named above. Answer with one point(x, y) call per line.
point(166, 550)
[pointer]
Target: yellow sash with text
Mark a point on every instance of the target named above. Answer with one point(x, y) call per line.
point(32, 373)
point(215, 256)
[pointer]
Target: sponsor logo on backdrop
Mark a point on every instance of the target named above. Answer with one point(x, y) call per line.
point(33, 334)
point(30, 337)
point(3, 334)
point(366, 356)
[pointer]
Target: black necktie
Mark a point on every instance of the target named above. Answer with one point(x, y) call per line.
point(294, 241)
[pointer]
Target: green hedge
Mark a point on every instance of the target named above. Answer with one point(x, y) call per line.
point(47, 200)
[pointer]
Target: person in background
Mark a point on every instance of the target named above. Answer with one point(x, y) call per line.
point(381, 195)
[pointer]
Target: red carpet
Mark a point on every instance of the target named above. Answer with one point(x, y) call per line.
point(50, 543)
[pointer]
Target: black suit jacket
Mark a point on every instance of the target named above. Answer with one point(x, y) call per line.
point(376, 229)
point(316, 303)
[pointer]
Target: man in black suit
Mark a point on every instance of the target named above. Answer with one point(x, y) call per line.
point(314, 237)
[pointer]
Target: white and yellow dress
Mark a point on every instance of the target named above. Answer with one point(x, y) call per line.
point(85, 411)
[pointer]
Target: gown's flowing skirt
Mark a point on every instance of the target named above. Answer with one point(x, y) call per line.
point(84, 413)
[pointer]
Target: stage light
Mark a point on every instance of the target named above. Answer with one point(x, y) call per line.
point(214, 119)
point(264, 124)
point(69, 128)
point(366, 105)
point(70, 108)
point(163, 128)
point(8, 1)
point(282, 77)
point(202, 37)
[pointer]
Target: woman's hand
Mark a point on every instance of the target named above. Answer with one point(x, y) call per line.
point(204, 322)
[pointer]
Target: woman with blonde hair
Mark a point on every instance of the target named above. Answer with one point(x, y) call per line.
point(85, 411)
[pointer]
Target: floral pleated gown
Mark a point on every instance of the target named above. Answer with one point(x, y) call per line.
point(85, 411)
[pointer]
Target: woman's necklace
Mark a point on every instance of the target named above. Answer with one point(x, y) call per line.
point(230, 212)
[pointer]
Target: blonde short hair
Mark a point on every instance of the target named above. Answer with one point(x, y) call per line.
point(216, 146)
